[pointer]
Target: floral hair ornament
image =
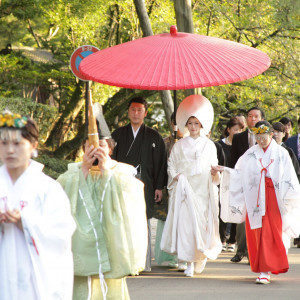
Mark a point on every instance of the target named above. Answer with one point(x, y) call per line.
point(8, 119)
point(261, 129)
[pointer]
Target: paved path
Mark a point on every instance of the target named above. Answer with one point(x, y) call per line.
point(221, 279)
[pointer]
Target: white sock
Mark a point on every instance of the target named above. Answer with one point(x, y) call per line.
point(264, 275)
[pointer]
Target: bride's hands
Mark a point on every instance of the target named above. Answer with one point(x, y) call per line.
point(177, 177)
point(215, 169)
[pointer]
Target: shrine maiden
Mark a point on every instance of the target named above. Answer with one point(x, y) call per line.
point(263, 189)
point(35, 220)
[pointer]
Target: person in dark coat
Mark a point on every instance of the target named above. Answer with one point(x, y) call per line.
point(294, 143)
point(241, 142)
point(288, 125)
point(233, 126)
point(279, 134)
point(143, 148)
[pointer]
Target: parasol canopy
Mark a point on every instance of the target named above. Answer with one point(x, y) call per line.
point(173, 61)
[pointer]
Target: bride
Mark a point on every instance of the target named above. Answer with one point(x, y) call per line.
point(192, 226)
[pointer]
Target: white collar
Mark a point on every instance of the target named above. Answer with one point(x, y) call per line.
point(135, 132)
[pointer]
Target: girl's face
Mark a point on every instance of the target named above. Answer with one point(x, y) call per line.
point(15, 153)
point(233, 130)
point(194, 126)
point(264, 139)
point(288, 127)
point(278, 136)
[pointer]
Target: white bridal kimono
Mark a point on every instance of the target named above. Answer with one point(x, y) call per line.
point(243, 189)
point(192, 226)
point(36, 263)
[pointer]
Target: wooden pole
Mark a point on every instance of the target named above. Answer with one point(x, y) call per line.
point(93, 135)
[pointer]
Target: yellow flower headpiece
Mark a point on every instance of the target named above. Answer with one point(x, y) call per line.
point(261, 129)
point(8, 119)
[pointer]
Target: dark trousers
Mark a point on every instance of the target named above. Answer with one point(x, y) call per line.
point(241, 240)
point(223, 229)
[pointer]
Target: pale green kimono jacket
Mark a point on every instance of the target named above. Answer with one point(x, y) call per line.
point(115, 209)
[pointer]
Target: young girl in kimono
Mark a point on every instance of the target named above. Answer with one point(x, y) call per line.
point(192, 228)
point(35, 220)
point(263, 189)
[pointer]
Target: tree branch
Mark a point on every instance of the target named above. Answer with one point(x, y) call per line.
point(30, 29)
point(289, 37)
point(151, 5)
point(274, 33)
point(52, 33)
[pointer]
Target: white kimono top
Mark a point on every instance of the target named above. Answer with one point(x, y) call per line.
point(36, 263)
point(243, 188)
point(192, 226)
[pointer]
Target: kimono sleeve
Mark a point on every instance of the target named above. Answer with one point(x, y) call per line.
point(160, 163)
point(116, 137)
point(290, 195)
point(233, 206)
point(172, 165)
point(48, 228)
point(52, 222)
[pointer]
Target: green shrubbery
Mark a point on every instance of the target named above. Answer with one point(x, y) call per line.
point(53, 166)
point(43, 114)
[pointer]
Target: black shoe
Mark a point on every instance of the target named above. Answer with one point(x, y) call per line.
point(237, 258)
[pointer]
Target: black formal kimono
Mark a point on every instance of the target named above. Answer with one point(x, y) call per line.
point(221, 162)
point(220, 154)
point(227, 150)
point(148, 154)
point(239, 146)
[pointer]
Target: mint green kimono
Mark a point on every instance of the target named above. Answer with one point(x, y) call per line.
point(112, 208)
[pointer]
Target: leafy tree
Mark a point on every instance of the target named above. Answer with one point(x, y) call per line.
point(58, 27)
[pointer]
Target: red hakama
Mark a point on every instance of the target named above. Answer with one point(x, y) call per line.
point(265, 247)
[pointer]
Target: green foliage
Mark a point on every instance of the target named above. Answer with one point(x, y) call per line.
point(44, 115)
point(275, 31)
point(60, 26)
point(53, 166)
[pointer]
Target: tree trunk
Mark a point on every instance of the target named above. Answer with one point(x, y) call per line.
point(147, 31)
point(68, 147)
point(70, 112)
point(184, 20)
point(141, 11)
point(183, 14)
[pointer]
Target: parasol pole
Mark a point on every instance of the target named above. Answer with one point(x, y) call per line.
point(87, 89)
point(93, 135)
point(175, 123)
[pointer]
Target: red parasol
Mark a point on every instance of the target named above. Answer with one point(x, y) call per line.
point(175, 60)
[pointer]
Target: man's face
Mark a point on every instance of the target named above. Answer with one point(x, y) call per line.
point(136, 113)
point(253, 117)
